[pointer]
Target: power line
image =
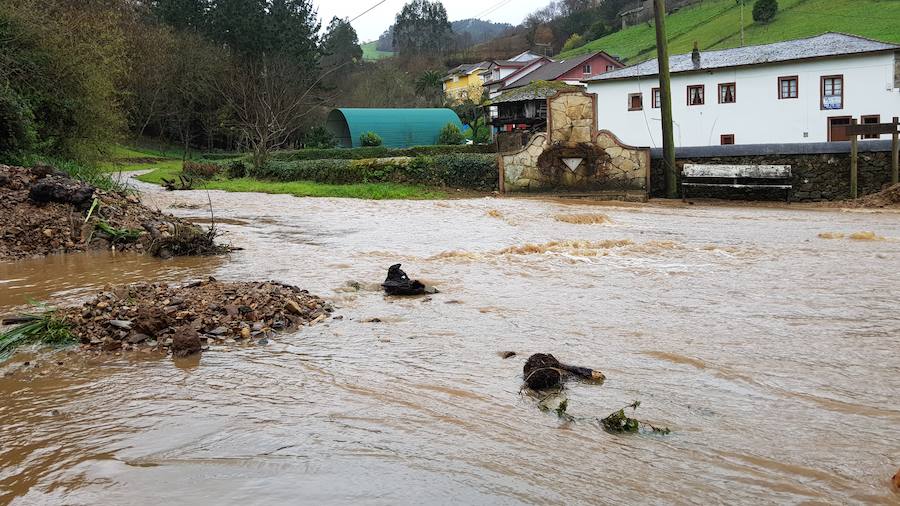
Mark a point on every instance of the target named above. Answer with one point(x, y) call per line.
point(493, 8)
point(367, 11)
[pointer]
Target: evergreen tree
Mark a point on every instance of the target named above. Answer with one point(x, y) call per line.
point(292, 29)
point(239, 24)
point(421, 28)
point(181, 14)
point(764, 10)
point(340, 44)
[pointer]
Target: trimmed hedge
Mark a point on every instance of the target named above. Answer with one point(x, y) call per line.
point(381, 152)
point(465, 170)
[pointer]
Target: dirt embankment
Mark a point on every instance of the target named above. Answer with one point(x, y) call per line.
point(159, 317)
point(45, 211)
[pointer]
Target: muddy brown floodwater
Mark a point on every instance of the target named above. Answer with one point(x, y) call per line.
point(771, 353)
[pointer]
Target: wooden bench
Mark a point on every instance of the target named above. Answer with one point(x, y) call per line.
point(737, 176)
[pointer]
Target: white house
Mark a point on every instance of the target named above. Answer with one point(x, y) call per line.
point(795, 91)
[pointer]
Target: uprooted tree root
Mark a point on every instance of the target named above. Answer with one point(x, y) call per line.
point(184, 240)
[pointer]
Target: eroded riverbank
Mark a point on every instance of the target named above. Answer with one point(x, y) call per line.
point(771, 353)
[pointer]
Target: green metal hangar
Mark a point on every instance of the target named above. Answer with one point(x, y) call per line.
point(398, 128)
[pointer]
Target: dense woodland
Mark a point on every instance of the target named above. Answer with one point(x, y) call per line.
point(76, 76)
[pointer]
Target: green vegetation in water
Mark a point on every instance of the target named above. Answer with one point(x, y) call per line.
point(618, 422)
point(118, 235)
point(45, 329)
point(716, 24)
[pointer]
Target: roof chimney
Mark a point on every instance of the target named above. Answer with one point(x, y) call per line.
point(695, 55)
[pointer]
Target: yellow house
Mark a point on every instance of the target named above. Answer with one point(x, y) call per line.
point(465, 81)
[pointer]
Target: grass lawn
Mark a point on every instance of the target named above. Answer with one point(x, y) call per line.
point(371, 53)
point(371, 191)
point(171, 169)
point(716, 24)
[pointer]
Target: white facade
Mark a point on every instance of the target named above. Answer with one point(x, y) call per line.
point(758, 115)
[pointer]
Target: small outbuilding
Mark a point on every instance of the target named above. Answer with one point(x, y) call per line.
point(398, 128)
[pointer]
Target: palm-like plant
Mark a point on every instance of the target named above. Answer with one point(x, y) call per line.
point(430, 84)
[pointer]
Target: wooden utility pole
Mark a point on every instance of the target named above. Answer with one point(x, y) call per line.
point(665, 95)
point(854, 162)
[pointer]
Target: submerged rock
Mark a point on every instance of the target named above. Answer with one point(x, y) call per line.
point(185, 343)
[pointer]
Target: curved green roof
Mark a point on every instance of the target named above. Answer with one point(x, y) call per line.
point(398, 128)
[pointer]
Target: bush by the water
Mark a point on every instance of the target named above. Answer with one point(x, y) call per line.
point(380, 152)
point(451, 135)
point(470, 170)
point(370, 139)
point(203, 170)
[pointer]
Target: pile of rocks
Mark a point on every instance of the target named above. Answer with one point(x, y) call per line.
point(183, 320)
point(45, 211)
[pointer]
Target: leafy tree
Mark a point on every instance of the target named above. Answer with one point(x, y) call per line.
point(421, 28)
point(370, 139)
point(340, 44)
point(573, 42)
point(17, 133)
point(764, 10)
point(64, 62)
point(469, 111)
point(450, 134)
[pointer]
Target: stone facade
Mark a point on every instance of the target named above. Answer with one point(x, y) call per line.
point(571, 118)
point(815, 176)
point(574, 156)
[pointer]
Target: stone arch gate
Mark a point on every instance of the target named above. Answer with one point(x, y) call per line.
point(576, 159)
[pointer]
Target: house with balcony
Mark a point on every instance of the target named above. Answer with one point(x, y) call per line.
point(475, 80)
point(520, 104)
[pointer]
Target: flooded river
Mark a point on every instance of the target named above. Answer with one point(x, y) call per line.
point(772, 354)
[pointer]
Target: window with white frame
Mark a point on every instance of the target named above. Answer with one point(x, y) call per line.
point(586, 68)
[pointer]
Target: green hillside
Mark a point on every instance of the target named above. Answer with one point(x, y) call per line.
point(715, 24)
point(371, 53)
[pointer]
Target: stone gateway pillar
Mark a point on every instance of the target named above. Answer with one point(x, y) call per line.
point(574, 157)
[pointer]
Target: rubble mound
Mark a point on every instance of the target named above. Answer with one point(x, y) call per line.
point(45, 211)
point(145, 316)
point(888, 197)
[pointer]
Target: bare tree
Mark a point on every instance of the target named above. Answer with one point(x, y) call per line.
point(269, 99)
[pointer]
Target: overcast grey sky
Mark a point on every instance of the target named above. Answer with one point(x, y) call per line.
point(371, 25)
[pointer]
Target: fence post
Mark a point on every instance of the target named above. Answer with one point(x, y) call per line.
point(895, 153)
point(854, 161)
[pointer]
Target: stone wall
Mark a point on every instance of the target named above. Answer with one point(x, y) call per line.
point(573, 156)
point(571, 118)
point(819, 171)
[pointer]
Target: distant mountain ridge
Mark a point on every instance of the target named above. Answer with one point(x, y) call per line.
point(467, 32)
